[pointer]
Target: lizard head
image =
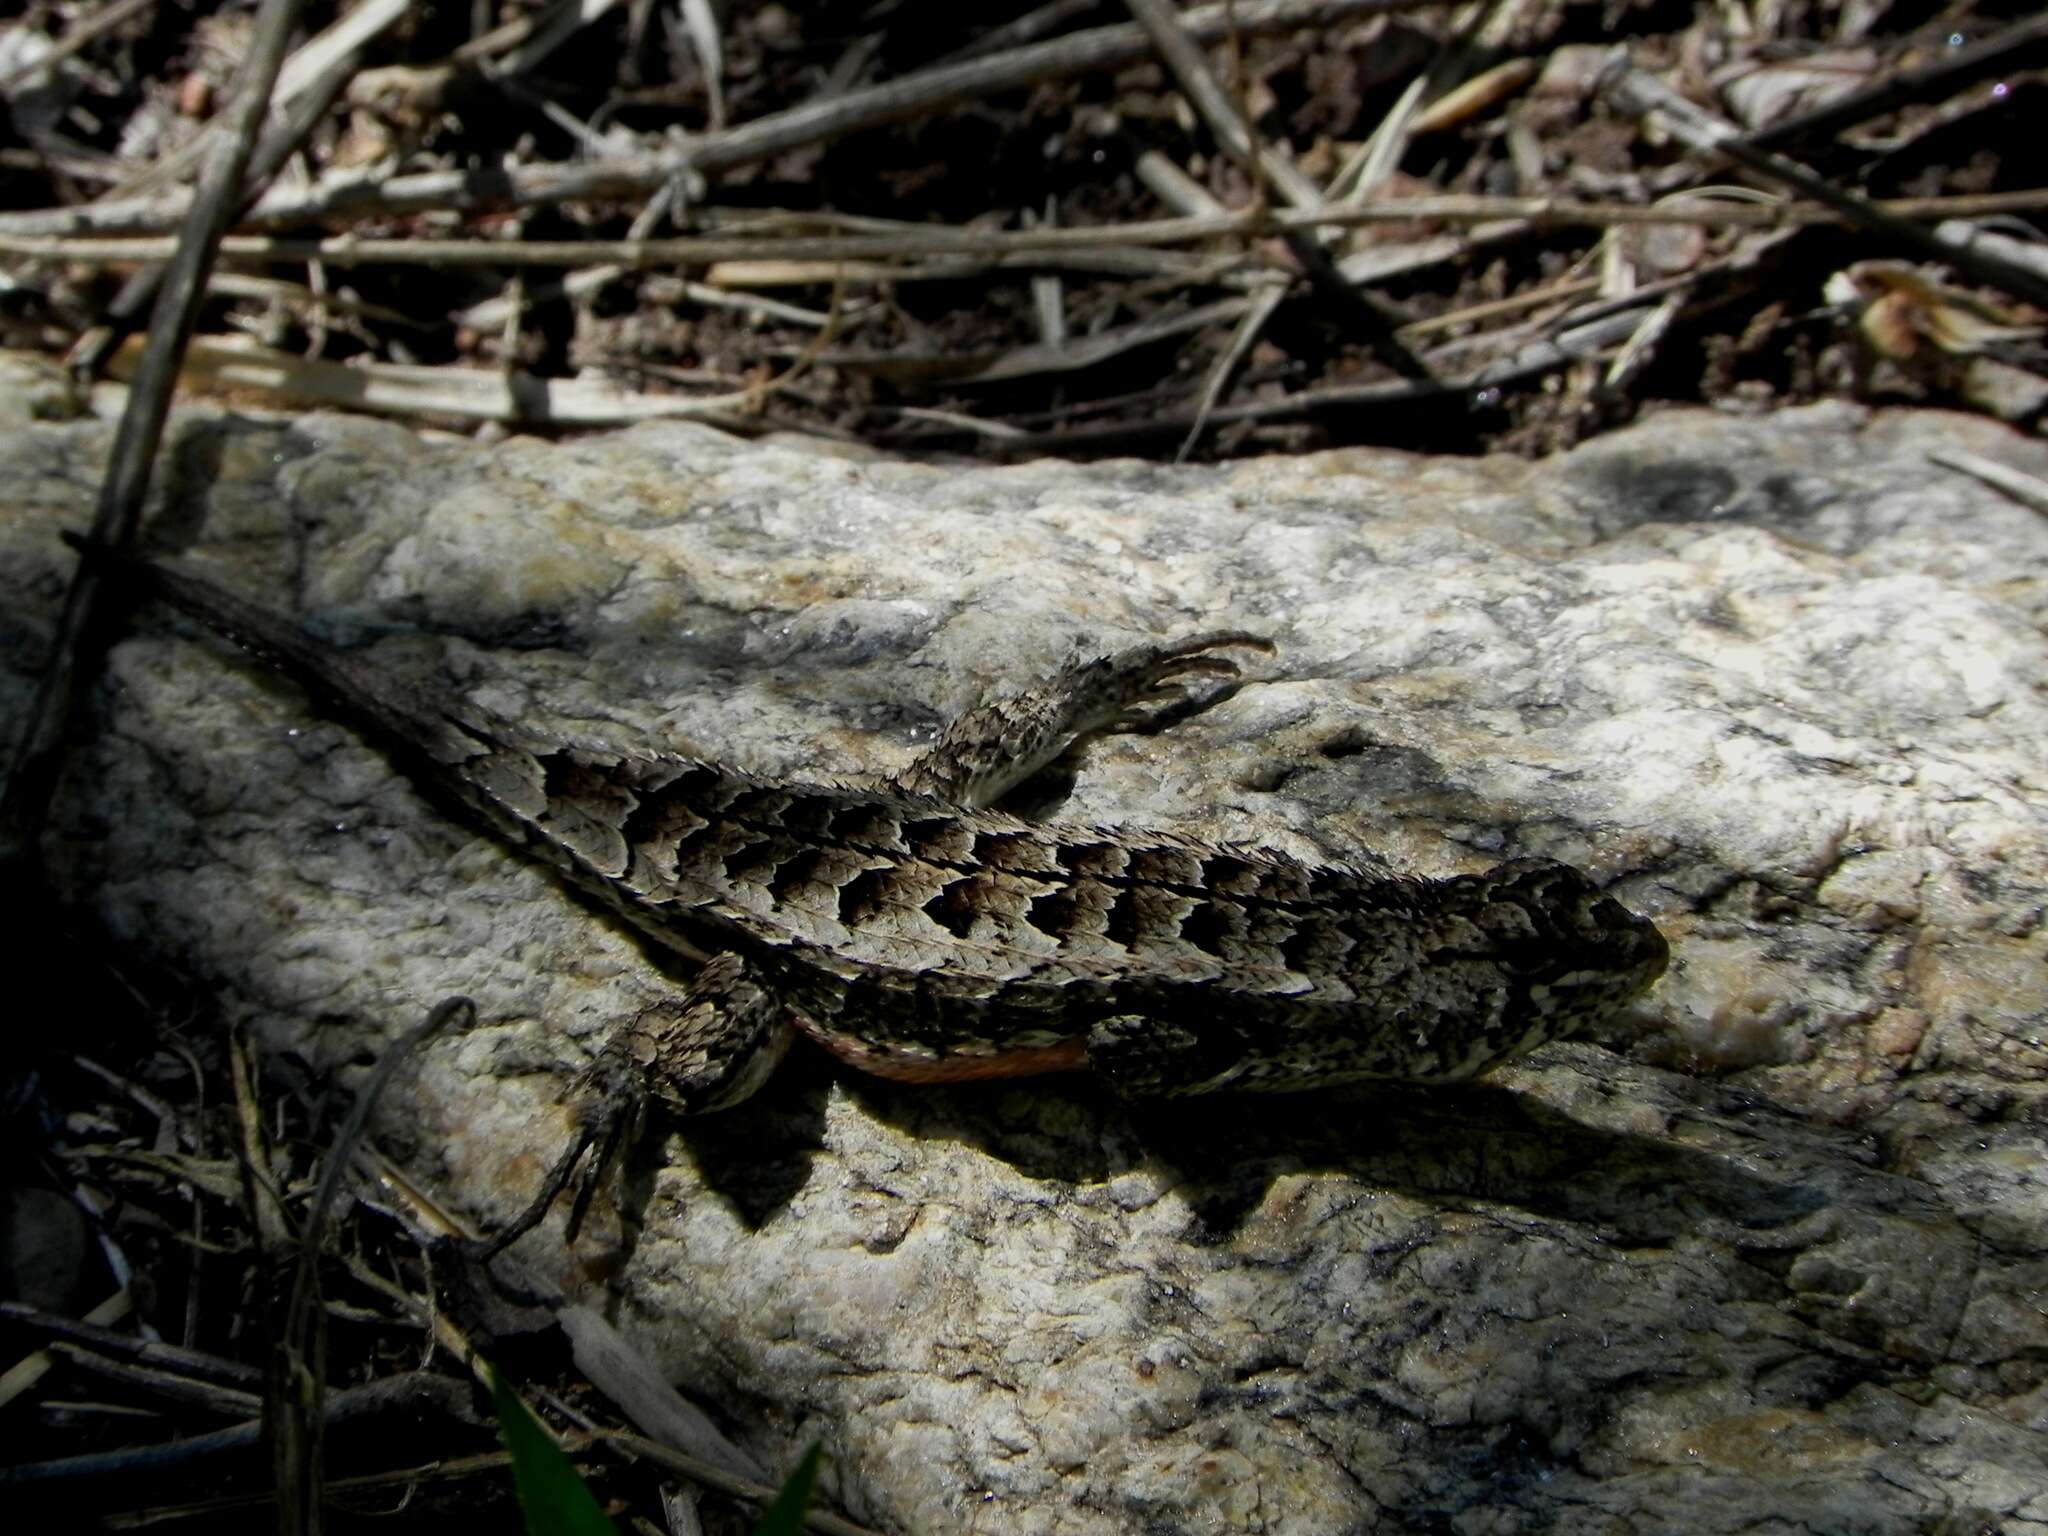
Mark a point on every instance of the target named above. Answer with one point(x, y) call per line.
point(1434, 981)
point(1581, 953)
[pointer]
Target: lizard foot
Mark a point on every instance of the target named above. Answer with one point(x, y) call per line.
point(992, 748)
point(704, 1050)
point(1149, 682)
point(611, 1103)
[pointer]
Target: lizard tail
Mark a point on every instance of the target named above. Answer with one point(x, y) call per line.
point(352, 688)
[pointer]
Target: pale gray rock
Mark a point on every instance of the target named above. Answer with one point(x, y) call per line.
point(1775, 1258)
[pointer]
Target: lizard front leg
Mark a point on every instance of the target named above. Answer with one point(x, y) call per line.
point(986, 752)
point(710, 1048)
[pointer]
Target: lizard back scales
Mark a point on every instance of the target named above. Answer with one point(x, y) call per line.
point(924, 939)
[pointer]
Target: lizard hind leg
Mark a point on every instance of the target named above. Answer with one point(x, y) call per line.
point(706, 1050)
point(988, 751)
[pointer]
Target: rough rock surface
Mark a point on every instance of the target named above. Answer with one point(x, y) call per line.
point(1781, 1261)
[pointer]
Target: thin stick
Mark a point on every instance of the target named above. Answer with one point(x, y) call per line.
point(72, 41)
point(1093, 51)
point(1543, 356)
point(2001, 51)
point(297, 118)
point(940, 239)
point(1267, 166)
point(36, 767)
point(1634, 91)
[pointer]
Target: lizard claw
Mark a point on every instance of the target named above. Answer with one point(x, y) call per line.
point(1187, 653)
point(705, 1049)
point(1151, 679)
point(609, 1104)
point(997, 745)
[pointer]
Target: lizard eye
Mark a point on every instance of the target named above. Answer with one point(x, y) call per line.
point(1625, 953)
point(1556, 926)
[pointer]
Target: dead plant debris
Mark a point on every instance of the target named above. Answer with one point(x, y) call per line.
point(1067, 228)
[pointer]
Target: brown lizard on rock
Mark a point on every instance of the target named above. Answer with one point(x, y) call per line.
point(917, 934)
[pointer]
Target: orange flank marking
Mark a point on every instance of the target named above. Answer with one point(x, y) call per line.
point(1068, 1055)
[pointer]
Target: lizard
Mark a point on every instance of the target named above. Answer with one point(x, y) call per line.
point(916, 932)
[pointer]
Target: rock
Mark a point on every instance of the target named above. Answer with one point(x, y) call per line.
point(1778, 1254)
